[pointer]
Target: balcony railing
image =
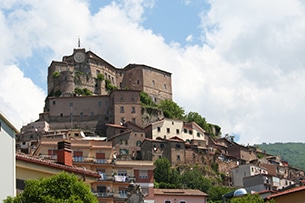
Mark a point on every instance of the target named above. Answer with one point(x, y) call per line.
point(104, 194)
point(91, 160)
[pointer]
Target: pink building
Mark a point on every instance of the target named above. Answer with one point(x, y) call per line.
point(179, 196)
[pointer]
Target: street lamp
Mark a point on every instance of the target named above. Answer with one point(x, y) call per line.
point(237, 193)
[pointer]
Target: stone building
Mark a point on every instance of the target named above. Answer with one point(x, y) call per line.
point(86, 92)
point(84, 69)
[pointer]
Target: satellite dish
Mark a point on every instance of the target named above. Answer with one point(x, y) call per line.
point(240, 192)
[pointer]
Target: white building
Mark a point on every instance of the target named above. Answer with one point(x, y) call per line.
point(246, 170)
point(167, 128)
point(8, 160)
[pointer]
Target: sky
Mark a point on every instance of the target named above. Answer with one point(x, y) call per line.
point(240, 64)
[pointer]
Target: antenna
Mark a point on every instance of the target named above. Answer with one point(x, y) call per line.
point(78, 42)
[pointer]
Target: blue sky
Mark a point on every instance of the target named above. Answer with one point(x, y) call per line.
point(237, 63)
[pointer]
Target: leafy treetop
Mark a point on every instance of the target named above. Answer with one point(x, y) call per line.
point(61, 188)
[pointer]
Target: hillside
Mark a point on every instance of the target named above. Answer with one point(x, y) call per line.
point(294, 153)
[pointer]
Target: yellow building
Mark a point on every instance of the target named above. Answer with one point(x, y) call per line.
point(99, 156)
point(29, 167)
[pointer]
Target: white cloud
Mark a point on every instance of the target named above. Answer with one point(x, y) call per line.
point(247, 76)
point(20, 99)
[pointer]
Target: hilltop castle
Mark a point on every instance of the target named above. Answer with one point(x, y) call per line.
point(85, 91)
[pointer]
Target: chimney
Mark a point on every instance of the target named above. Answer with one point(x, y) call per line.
point(64, 153)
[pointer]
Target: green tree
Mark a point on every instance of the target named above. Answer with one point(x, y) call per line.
point(197, 118)
point(146, 100)
point(193, 179)
point(171, 109)
point(61, 188)
point(216, 192)
point(211, 129)
point(249, 198)
point(162, 170)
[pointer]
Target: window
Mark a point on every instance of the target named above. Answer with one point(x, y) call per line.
point(133, 109)
point(143, 174)
point(177, 131)
point(100, 157)
point(92, 113)
point(162, 146)
point(133, 120)
point(185, 130)
point(71, 104)
point(122, 109)
point(54, 102)
point(159, 129)
point(122, 173)
point(101, 190)
point(190, 132)
point(52, 153)
point(99, 103)
point(20, 184)
point(153, 83)
point(78, 156)
point(165, 86)
point(138, 143)
point(81, 114)
point(122, 192)
point(182, 201)
point(178, 157)
point(138, 82)
point(167, 201)
point(61, 114)
point(198, 134)
point(178, 146)
point(168, 130)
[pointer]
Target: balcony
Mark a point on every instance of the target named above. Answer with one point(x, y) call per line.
point(91, 160)
point(105, 177)
point(103, 194)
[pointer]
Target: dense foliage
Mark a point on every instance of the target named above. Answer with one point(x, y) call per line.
point(85, 91)
point(294, 153)
point(211, 129)
point(250, 198)
point(146, 100)
point(61, 188)
point(171, 109)
point(189, 177)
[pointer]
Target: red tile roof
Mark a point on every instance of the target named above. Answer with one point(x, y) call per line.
point(285, 192)
point(52, 164)
point(179, 192)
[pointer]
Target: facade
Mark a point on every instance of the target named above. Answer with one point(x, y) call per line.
point(125, 106)
point(179, 196)
point(114, 92)
point(8, 163)
point(155, 82)
point(263, 182)
point(173, 149)
point(295, 195)
point(167, 128)
point(246, 170)
point(28, 167)
point(116, 173)
point(79, 112)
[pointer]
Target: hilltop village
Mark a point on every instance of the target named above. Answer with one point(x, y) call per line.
point(93, 124)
